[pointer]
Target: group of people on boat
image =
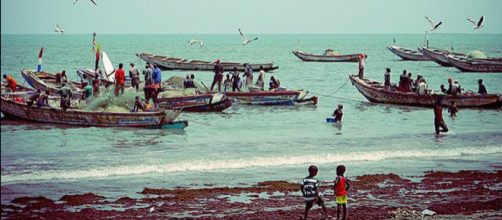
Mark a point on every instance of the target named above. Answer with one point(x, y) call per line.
point(233, 80)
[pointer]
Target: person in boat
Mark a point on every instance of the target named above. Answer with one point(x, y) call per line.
point(185, 82)
point(273, 84)
point(11, 82)
point(338, 113)
point(134, 75)
point(482, 89)
point(95, 85)
point(43, 99)
point(416, 81)
point(260, 83)
point(422, 87)
point(66, 95)
point(248, 73)
point(152, 92)
point(453, 109)
point(401, 81)
point(156, 75)
point(218, 75)
point(443, 89)
point(439, 124)
point(58, 79)
point(309, 187)
point(361, 66)
point(412, 87)
point(87, 93)
point(456, 89)
point(33, 98)
point(227, 83)
point(235, 80)
point(140, 104)
point(119, 80)
point(387, 79)
point(192, 81)
point(450, 86)
point(64, 78)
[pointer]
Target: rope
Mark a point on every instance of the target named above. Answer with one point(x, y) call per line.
point(332, 95)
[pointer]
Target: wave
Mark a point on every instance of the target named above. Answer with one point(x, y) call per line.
point(252, 162)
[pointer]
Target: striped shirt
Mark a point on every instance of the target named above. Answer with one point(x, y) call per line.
point(309, 188)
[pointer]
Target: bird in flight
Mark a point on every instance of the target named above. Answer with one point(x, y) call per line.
point(477, 25)
point(193, 41)
point(245, 39)
point(434, 25)
point(93, 2)
point(58, 29)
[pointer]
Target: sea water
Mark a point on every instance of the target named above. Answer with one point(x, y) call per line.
point(248, 144)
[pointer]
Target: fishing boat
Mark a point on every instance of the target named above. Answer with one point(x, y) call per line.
point(439, 56)
point(310, 57)
point(465, 64)
point(216, 102)
point(47, 81)
point(279, 97)
point(90, 74)
point(17, 108)
point(375, 92)
point(172, 63)
point(407, 54)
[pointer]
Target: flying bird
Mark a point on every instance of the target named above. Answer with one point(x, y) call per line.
point(434, 25)
point(245, 39)
point(93, 2)
point(58, 29)
point(200, 42)
point(477, 25)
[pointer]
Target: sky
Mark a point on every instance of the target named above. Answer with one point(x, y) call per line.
point(252, 16)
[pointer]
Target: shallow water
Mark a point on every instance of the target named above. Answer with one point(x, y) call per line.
point(247, 144)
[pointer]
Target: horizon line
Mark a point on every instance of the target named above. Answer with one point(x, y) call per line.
point(234, 34)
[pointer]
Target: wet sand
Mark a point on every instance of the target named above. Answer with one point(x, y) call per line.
point(452, 195)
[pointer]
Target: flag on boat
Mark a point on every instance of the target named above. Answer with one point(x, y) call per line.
point(39, 66)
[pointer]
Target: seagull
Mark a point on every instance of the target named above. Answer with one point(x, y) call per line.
point(477, 25)
point(245, 39)
point(58, 29)
point(93, 2)
point(434, 25)
point(192, 42)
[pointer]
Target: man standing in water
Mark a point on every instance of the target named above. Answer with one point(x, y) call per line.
point(218, 75)
point(119, 80)
point(438, 116)
point(338, 113)
point(248, 72)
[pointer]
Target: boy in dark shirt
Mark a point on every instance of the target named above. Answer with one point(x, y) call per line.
point(310, 191)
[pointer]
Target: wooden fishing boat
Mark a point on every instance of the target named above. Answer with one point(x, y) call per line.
point(375, 92)
point(465, 64)
point(90, 74)
point(439, 56)
point(16, 108)
point(310, 57)
point(172, 63)
point(407, 54)
point(284, 97)
point(47, 81)
point(196, 103)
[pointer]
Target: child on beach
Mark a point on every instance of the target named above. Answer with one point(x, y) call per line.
point(310, 190)
point(341, 186)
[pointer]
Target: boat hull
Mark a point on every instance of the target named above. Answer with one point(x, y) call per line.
point(289, 97)
point(406, 54)
point(196, 103)
point(476, 65)
point(171, 63)
point(376, 93)
point(309, 57)
point(48, 83)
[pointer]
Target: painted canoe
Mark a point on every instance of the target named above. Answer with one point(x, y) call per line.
point(285, 97)
point(172, 63)
point(407, 54)
point(310, 57)
point(440, 56)
point(476, 65)
point(196, 103)
point(17, 109)
point(47, 82)
point(375, 92)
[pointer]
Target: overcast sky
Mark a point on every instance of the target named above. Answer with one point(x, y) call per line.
point(253, 16)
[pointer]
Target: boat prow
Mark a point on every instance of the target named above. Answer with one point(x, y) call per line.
point(407, 54)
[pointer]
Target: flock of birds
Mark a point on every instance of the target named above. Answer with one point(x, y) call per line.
point(477, 24)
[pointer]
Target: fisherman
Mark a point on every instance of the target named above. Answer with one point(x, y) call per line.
point(361, 66)
point(151, 92)
point(422, 87)
point(64, 78)
point(235, 80)
point(443, 89)
point(453, 109)
point(134, 75)
point(192, 81)
point(43, 99)
point(456, 89)
point(450, 86)
point(260, 83)
point(218, 75)
point(11, 82)
point(33, 98)
point(387, 79)
point(402, 82)
point(438, 116)
point(412, 87)
point(66, 95)
point(186, 83)
point(248, 73)
point(119, 80)
point(274, 83)
point(482, 89)
point(227, 83)
point(58, 79)
point(147, 72)
point(87, 93)
point(156, 75)
point(95, 85)
point(338, 113)
point(139, 104)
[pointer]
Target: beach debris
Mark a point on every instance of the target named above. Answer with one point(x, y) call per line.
point(405, 213)
point(478, 24)
point(433, 24)
point(428, 212)
point(245, 39)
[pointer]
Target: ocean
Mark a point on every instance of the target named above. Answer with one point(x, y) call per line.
point(248, 144)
